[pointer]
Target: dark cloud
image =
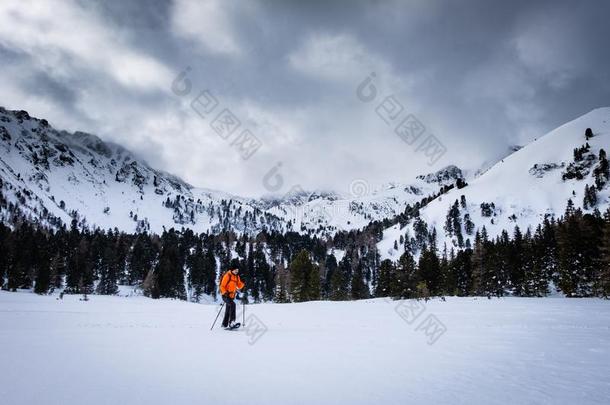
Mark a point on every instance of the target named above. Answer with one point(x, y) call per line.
point(44, 85)
point(481, 75)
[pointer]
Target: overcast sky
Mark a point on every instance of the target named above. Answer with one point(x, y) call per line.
point(479, 75)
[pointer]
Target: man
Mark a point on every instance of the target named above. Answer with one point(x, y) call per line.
point(229, 285)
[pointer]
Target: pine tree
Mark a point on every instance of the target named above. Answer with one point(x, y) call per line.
point(197, 272)
point(588, 134)
point(482, 278)
point(405, 283)
point(108, 271)
point(420, 228)
point(602, 170)
point(263, 274)
point(304, 278)
point(170, 268)
point(449, 222)
point(468, 224)
point(578, 240)
point(462, 267)
point(210, 273)
point(590, 197)
point(463, 201)
point(330, 266)
point(536, 274)
point(281, 283)
point(602, 276)
point(122, 248)
point(150, 285)
point(430, 271)
point(298, 269)
point(80, 271)
point(141, 258)
point(385, 280)
point(516, 261)
point(340, 280)
point(314, 283)
point(448, 276)
point(6, 249)
point(359, 289)
point(20, 270)
point(43, 266)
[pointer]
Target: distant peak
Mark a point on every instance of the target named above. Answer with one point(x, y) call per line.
point(446, 174)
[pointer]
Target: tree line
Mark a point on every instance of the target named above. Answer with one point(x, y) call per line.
point(571, 254)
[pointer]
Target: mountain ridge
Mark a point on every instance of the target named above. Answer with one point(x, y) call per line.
point(61, 175)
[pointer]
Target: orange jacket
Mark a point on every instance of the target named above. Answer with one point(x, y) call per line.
point(230, 283)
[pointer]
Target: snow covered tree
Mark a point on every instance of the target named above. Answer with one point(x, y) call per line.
point(602, 171)
point(420, 228)
point(453, 223)
point(590, 197)
point(588, 134)
point(468, 224)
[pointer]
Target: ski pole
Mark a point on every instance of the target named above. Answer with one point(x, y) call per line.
point(243, 312)
point(223, 304)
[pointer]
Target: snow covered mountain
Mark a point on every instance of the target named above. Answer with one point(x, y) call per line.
point(50, 176)
point(523, 189)
point(53, 176)
point(326, 213)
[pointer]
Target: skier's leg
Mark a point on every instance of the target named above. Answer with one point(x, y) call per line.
point(232, 319)
point(225, 320)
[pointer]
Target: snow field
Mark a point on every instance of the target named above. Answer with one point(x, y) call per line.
point(135, 350)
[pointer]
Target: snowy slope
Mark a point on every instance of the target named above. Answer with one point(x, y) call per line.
point(525, 186)
point(115, 350)
point(330, 212)
point(50, 176)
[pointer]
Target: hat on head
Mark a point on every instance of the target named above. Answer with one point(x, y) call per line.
point(234, 264)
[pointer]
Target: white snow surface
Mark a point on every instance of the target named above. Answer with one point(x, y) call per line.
point(134, 350)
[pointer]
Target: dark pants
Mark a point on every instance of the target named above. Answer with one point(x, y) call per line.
point(229, 311)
